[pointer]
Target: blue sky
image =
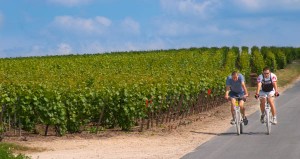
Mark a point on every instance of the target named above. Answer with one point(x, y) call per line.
point(58, 27)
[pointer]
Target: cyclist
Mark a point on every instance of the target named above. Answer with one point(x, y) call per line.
point(267, 85)
point(235, 87)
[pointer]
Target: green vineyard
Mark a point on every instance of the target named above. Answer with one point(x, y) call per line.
point(124, 89)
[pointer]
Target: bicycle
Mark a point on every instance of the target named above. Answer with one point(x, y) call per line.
point(268, 113)
point(238, 115)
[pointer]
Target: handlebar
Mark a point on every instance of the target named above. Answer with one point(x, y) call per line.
point(256, 96)
point(242, 98)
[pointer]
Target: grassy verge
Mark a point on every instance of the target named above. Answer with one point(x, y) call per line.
point(285, 76)
point(7, 149)
point(289, 74)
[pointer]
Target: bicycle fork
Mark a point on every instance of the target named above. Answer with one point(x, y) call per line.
point(238, 118)
point(268, 118)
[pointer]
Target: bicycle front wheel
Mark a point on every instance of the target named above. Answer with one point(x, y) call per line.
point(241, 126)
point(237, 122)
point(268, 121)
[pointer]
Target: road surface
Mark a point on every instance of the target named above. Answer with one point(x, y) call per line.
point(254, 143)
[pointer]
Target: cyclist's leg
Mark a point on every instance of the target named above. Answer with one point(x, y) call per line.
point(243, 111)
point(232, 103)
point(272, 105)
point(241, 103)
point(262, 96)
point(271, 101)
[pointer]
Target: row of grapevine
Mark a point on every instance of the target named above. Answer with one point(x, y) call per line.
point(123, 89)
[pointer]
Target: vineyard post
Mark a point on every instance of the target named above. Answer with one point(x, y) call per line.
point(191, 107)
point(8, 121)
point(200, 103)
point(151, 120)
point(169, 107)
point(148, 121)
point(100, 118)
point(20, 127)
point(159, 105)
point(189, 110)
point(175, 108)
point(179, 106)
point(195, 104)
point(15, 120)
point(46, 129)
point(206, 103)
point(142, 124)
point(162, 114)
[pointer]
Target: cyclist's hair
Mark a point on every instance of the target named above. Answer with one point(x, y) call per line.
point(234, 73)
point(266, 68)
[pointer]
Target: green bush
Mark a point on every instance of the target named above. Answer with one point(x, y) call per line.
point(281, 59)
point(297, 53)
point(244, 63)
point(270, 61)
point(257, 61)
point(288, 54)
point(230, 61)
point(264, 51)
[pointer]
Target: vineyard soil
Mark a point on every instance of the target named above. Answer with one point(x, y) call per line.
point(156, 143)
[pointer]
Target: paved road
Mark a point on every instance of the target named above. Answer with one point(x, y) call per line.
point(282, 143)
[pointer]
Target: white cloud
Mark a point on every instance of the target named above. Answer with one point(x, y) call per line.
point(70, 3)
point(63, 49)
point(36, 49)
point(249, 4)
point(202, 9)
point(131, 26)
point(91, 25)
point(177, 28)
point(254, 23)
point(255, 5)
point(92, 47)
point(128, 45)
point(42, 50)
point(103, 21)
point(153, 44)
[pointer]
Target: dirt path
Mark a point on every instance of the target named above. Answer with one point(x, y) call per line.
point(146, 145)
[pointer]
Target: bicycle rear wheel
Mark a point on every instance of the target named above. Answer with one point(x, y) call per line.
point(241, 126)
point(268, 121)
point(237, 122)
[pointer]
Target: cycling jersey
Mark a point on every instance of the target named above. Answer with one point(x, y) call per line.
point(236, 86)
point(267, 83)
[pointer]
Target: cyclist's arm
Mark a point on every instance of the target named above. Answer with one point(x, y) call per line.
point(227, 92)
point(245, 89)
point(275, 86)
point(258, 87)
point(274, 82)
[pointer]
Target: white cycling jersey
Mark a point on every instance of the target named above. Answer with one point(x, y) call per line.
point(267, 81)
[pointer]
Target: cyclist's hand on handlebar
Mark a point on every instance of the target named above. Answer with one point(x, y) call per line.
point(276, 94)
point(245, 97)
point(226, 97)
point(256, 96)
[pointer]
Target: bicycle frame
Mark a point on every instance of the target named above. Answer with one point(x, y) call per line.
point(238, 117)
point(268, 114)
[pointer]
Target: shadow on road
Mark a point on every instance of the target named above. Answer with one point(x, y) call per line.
point(230, 133)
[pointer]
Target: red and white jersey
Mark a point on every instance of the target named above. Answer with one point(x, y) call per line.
point(268, 79)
